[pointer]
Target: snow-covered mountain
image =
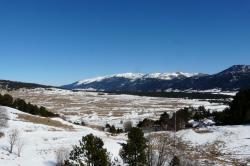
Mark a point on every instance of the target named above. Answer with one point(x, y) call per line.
point(236, 69)
point(125, 79)
point(136, 76)
point(233, 78)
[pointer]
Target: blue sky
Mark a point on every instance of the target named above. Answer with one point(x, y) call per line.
point(57, 41)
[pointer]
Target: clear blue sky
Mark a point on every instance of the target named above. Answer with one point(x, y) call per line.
point(58, 42)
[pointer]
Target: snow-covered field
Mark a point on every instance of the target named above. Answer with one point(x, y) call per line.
point(41, 141)
point(100, 108)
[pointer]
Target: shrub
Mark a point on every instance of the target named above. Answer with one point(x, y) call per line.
point(112, 129)
point(146, 123)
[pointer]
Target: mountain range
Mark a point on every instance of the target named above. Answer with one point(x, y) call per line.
point(231, 79)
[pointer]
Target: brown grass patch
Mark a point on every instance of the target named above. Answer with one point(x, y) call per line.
point(97, 127)
point(44, 121)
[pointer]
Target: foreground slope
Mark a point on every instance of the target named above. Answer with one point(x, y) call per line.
point(42, 140)
point(217, 145)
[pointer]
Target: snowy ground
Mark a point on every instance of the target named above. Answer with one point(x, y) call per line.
point(230, 143)
point(226, 144)
point(41, 141)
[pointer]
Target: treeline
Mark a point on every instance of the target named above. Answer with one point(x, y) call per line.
point(20, 104)
point(193, 95)
point(178, 120)
point(237, 113)
point(13, 85)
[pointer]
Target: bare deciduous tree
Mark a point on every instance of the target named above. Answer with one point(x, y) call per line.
point(13, 138)
point(159, 150)
point(127, 126)
point(62, 154)
point(20, 145)
point(3, 118)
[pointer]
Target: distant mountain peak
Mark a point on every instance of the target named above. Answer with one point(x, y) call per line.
point(237, 69)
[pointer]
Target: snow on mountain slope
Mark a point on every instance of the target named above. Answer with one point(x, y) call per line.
point(135, 76)
point(236, 69)
point(232, 79)
point(41, 141)
point(131, 76)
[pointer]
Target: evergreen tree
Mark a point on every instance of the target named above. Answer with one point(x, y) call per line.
point(20, 104)
point(6, 100)
point(238, 111)
point(164, 119)
point(90, 151)
point(133, 153)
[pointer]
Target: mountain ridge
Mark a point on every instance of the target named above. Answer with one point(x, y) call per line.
point(233, 78)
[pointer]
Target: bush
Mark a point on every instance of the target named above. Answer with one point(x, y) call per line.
point(146, 123)
point(201, 113)
point(113, 130)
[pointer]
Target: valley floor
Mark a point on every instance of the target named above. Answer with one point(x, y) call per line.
point(98, 109)
point(217, 145)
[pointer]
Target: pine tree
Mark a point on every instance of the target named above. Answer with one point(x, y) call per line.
point(6, 100)
point(90, 151)
point(133, 153)
point(238, 112)
point(164, 120)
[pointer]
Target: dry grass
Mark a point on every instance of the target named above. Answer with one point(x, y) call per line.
point(44, 121)
point(97, 127)
point(118, 114)
point(210, 154)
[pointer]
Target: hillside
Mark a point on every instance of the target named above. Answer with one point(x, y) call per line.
point(9, 85)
